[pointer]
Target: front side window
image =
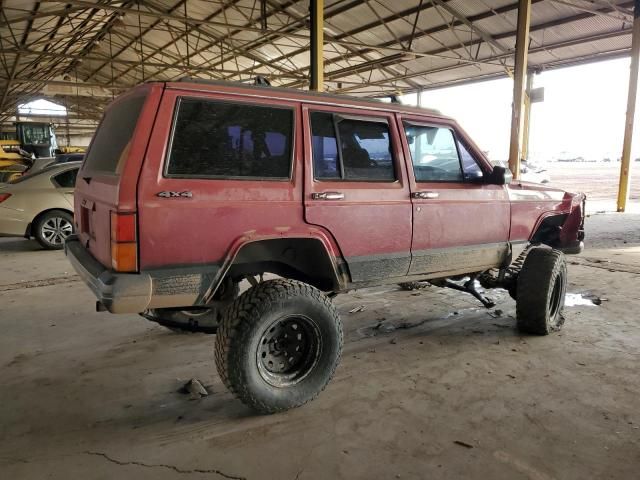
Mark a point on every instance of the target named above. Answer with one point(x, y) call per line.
point(349, 149)
point(470, 167)
point(433, 153)
point(231, 140)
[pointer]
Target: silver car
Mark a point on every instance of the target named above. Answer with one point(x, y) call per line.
point(40, 205)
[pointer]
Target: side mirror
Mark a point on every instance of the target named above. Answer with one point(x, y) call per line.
point(500, 176)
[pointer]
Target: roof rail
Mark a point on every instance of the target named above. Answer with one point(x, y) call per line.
point(258, 80)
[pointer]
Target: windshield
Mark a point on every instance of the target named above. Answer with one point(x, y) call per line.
point(36, 134)
point(111, 141)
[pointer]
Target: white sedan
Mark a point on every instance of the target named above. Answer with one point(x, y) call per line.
point(40, 205)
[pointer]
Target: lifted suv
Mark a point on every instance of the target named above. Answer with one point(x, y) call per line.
point(188, 188)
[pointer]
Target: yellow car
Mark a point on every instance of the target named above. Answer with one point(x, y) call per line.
point(40, 205)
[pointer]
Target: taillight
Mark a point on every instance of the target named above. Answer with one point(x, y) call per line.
point(124, 247)
point(4, 196)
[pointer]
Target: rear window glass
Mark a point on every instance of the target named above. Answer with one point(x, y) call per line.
point(364, 153)
point(111, 141)
point(231, 140)
point(66, 179)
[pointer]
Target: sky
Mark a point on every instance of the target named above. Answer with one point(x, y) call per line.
point(583, 112)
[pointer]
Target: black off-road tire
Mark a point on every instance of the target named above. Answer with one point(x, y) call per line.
point(51, 229)
point(243, 336)
point(541, 288)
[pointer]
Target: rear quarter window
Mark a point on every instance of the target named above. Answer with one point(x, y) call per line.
point(111, 141)
point(214, 139)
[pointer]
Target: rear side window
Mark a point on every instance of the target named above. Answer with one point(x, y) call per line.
point(434, 153)
point(111, 141)
point(231, 140)
point(351, 149)
point(66, 179)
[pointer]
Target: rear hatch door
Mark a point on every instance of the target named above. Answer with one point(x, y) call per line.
point(107, 180)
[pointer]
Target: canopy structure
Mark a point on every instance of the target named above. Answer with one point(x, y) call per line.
point(81, 52)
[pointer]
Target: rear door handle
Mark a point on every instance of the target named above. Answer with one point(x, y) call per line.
point(425, 195)
point(328, 196)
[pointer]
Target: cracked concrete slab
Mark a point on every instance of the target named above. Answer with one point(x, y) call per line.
point(92, 395)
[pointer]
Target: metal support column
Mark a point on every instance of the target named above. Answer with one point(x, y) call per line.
point(517, 115)
point(526, 128)
point(625, 163)
point(316, 10)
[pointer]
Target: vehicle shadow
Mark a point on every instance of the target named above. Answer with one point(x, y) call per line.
point(18, 245)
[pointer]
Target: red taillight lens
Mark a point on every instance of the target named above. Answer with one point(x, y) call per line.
point(4, 196)
point(124, 248)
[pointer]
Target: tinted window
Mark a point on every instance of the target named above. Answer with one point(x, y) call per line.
point(469, 164)
point(364, 153)
point(433, 153)
point(66, 179)
point(111, 141)
point(229, 140)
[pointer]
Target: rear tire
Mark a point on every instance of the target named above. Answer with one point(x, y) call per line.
point(541, 288)
point(278, 345)
point(52, 229)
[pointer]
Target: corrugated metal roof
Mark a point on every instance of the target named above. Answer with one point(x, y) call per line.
point(372, 47)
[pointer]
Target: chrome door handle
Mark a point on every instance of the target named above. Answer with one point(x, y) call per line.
point(425, 195)
point(328, 196)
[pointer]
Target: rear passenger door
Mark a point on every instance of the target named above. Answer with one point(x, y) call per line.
point(356, 187)
point(460, 223)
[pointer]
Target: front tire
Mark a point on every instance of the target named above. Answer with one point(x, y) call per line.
point(541, 288)
point(278, 345)
point(53, 228)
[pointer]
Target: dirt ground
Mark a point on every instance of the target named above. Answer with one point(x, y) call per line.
point(431, 385)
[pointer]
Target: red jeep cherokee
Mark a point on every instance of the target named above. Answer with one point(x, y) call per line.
point(190, 187)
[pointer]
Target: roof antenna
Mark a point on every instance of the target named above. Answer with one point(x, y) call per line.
point(395, 99)
point(260, 80)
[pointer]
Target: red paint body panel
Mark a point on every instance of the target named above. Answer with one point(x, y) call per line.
point(531, 203)
point(374, 218)
point(462, 213)
point(104, 193)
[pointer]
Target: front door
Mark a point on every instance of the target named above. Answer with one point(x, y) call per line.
point(460, 224)
point(356, 187)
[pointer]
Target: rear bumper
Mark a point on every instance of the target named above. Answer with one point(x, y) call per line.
point(118, 292)
point(137, 292)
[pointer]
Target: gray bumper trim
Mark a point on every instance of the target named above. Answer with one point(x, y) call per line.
point(136, 292)
point(118, 292)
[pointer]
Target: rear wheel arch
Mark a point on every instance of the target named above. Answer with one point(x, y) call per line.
point(306, 259)
point(59, 225)
point(34, 222)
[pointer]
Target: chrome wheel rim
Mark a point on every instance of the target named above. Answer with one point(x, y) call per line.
point(288, 350)
point(56, 229)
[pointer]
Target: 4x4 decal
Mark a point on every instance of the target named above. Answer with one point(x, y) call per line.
point(169, 194)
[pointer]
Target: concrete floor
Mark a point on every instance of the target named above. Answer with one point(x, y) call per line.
point(444, 389)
